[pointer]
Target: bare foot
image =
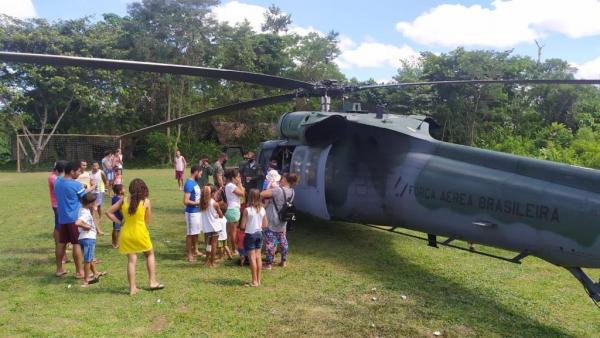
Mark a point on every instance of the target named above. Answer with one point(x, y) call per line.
point(133, 291)
point(283, 264)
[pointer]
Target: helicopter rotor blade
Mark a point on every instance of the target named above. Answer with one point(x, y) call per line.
point(455, 82)
point(110, 64)
point(265, 101)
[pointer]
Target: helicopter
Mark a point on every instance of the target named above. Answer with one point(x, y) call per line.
point(386, 169)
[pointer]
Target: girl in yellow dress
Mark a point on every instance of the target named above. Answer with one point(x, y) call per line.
point(134, 237)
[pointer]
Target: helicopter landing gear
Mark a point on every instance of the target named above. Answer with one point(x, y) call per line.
point(593, 289)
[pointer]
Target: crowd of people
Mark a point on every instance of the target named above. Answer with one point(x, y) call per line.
point(229, 209)
point(235, 212)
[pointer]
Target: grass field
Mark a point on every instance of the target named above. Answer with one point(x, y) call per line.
point(343, 280)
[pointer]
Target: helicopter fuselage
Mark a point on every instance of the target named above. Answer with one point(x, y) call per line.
point(396, 174)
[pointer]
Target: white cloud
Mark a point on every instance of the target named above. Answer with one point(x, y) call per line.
point(18, 8)
point(588, 70)
point(304, 31)
point(372, 55)
point(235, 12)
point(505, 24)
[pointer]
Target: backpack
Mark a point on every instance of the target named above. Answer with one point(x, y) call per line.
point(287, 213)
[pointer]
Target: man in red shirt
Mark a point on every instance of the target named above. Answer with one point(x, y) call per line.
point(57, 173)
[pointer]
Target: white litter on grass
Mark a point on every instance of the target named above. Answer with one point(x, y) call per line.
point(374, 298)
point(374, 289)
point(69, 286)
point(403, 297)
point(372, 325)
point(167, 241)
point(437, 333)
point(158, 301)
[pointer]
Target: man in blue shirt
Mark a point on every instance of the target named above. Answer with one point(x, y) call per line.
point(68, 194)
point(191, 200)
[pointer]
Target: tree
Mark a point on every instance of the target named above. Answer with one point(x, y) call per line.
point(276, 21)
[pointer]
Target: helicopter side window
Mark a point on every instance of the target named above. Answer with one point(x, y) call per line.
point(311, 166)
point(297, 164)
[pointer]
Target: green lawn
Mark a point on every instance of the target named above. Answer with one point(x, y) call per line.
point(343, 280)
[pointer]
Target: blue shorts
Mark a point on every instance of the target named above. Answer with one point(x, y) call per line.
point(253, 241)
point(110, 174)
point(117, 226)
point(87, 246)
point(242, 251)
point(56, 224)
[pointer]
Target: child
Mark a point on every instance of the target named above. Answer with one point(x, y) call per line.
point(118, 176)
point(98, 178)
point(240, 246)
point(254, 219)
point(134, 237)
point(271, 180)
point(223, 247)
point(119, 192)
point(87, 239)
point(211, 216)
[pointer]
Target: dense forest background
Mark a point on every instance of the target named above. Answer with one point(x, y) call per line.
point(553, 122)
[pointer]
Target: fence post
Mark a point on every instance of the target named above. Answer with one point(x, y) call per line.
point(18, 154)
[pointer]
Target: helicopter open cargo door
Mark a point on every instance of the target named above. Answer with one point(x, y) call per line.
point(309, 164)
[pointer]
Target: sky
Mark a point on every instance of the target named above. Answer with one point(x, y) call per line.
point(375, 35)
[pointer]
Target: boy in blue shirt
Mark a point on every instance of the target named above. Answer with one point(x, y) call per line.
point(68, 195)
point(191, 200)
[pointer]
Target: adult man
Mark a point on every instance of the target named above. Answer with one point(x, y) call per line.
point(205, 171)
point(68, 194)
point(84, 175)
point(180, 165)
point(275, 234)
point(218, 170)
point(249, 172)
point(191, 200)
point(57, 173)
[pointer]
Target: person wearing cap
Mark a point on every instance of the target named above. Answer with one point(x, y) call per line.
point(249, 172)
point(206, 171)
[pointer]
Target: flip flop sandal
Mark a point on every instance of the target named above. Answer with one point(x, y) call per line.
point(62, 274)
point(157, 287)
point(94, 281)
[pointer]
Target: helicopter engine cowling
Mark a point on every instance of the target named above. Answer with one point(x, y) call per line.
point(312, 128)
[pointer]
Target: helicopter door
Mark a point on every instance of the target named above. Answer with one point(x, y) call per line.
point(309, 164)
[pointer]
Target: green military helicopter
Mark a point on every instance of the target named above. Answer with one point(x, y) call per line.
point(386, 169)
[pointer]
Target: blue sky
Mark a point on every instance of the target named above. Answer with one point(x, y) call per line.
point(376, 34)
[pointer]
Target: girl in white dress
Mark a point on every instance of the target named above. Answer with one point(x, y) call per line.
point(211, 216)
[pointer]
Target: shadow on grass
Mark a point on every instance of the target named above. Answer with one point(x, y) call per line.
point(444, 298)
point(228, 281)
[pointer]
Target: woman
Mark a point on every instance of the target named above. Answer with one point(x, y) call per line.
point(275, 234)
point(234, 190)
point(134, 236)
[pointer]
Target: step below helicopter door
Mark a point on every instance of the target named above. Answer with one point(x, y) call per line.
point(309, 164)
